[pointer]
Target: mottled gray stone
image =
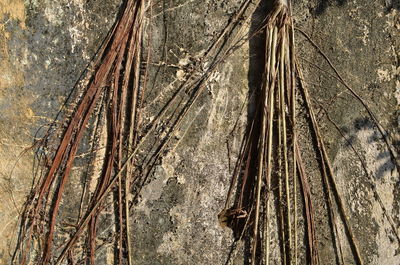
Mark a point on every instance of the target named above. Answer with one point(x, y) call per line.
point(46, 47)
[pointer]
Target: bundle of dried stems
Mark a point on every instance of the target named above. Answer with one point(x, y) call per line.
point(116, 76)
point(269, 154)
point(119, 78)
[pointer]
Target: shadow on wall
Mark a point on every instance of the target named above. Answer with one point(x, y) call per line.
point(384, 158)
point(322, 5)
point(390, 4)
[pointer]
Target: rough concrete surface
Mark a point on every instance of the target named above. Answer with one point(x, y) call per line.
point(45, 45)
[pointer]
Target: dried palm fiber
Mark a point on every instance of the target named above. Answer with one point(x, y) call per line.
point(270, 153)
point(115, 166)
point(116, 86)
point(122, 49)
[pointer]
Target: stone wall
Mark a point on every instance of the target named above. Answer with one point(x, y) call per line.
point(45, 45)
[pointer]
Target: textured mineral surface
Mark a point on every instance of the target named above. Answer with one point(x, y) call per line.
point(46, 45)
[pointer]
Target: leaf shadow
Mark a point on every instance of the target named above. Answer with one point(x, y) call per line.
point(386, 164)
point(322, 5)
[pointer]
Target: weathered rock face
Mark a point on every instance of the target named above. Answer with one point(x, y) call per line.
point(45, 45)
